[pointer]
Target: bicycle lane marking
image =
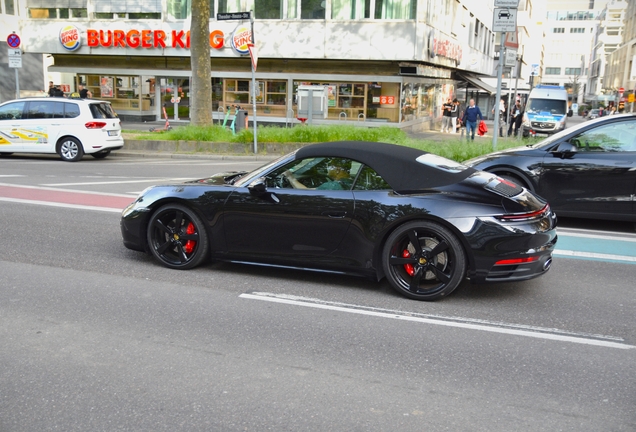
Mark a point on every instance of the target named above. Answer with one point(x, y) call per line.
point(64, 198)
point(597, 246)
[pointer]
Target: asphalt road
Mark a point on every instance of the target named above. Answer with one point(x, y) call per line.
point(97, 337)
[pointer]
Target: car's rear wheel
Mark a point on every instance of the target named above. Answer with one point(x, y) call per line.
point(177, 237)
point(101, 155)
point(423, 260)
point(70, 149)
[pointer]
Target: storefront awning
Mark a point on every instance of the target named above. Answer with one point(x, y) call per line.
point(475, 81)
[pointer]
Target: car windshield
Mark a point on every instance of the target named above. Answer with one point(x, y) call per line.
point(552, 106)
point(258, 172)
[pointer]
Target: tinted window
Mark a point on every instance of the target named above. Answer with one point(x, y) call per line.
point(58, 109)
point(40, 110)
point(71, 110)
point(322, 173)
point(102, 110)
point(614, 137)
point(11, 111)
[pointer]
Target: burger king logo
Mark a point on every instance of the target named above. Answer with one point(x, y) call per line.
point(241, 37)
point(70, 37)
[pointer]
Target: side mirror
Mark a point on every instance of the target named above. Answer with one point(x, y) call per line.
point(258, 187)
point(565, 149)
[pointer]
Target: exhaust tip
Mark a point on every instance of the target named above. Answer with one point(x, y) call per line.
point(547, 264)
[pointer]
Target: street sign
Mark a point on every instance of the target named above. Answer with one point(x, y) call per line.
point(15, 58)
point(504, 20)
point(13, 40)
point(253, 55)
point(233, 16)
point(510, 57)
point(507, 3)
point(512, 39)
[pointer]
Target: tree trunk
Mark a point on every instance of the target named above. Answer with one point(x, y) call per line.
point(201, 85)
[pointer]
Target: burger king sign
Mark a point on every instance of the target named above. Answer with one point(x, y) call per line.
point(70, 37)
point(241, 37)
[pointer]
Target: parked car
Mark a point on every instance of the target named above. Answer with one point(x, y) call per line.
point(594, 113)
point(70, 127)
point(587, 171)
point(378, 210)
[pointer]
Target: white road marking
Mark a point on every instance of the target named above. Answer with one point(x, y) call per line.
point(11, 175)
point(54, 204)
point(601, 256)
point(155, 180)
point(466, 323)
point(601, 235)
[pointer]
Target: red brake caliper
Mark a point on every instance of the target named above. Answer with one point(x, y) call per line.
point(408, 267)
point(190, 244)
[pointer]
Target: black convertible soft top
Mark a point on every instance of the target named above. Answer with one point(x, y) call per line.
point(398, 165)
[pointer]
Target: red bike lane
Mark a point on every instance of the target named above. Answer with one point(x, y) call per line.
point(62, 198)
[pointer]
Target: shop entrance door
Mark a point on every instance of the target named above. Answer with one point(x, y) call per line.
point(175, 96)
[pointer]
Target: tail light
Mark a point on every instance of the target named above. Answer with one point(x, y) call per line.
point(518, 217)
point(95, 125)
point(516, 261)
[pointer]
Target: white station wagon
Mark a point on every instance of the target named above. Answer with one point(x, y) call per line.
point(69, 127)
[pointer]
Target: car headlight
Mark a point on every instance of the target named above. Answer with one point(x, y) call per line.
point(526, 120)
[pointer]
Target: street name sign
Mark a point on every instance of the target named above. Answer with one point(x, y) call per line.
point(233, 16)
point(507, 4)
point(504, 20)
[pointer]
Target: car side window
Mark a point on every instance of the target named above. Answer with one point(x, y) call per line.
point(71, 110)
point(614, 137)
point(12, 111)
point(40, 110)
point(368, 179)
point(321, 173)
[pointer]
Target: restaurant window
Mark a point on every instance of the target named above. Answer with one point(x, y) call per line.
point(226, 6)
point(266, 9)
point(180, 9)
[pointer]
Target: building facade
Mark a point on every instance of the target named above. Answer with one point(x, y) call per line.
point(620, 70)
point(569, 32)
point(382, 62)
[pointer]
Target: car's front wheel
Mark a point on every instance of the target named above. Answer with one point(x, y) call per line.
point(177, 237)
point(424, 260)
point(70, 149)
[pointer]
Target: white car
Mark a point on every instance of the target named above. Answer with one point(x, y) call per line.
point(70, 127)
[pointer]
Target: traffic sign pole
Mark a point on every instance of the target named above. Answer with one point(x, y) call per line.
point(495, 133)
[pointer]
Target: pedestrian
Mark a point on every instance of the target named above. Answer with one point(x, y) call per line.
point(454, 115)
point(502, 115)
point(57, 92)
point(84, 93)
point(446, 115)
point(471, 113)
point(51, 89)
point(516, 116)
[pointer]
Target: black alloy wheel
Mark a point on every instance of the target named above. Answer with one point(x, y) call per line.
point(423, 260)
point(70, 149)
point(177, 237)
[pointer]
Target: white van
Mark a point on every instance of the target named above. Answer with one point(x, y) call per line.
point(69, 127)
point(546, 111)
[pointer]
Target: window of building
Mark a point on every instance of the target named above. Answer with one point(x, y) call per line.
point(350, 9)
point(553, 71)
point(572, 71)
point(395, 9)
point(558, 30)
point(139, 9)
point(9, 7)
point(41, 9)
point(312, 9)
point(577, 30)
point(180, 9)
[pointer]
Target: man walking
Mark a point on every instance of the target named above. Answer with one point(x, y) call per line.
point(454, 116)
point(471, 113)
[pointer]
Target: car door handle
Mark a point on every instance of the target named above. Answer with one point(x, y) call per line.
point(335, 214)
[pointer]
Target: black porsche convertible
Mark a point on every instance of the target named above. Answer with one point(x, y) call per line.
point(372, 209)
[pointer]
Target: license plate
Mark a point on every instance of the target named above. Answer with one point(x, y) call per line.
point(113, 133)
point(540, 135)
